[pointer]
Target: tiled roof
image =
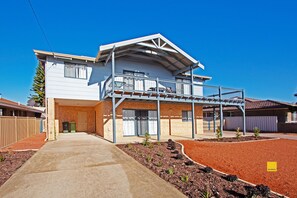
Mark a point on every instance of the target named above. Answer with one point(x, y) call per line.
point(251, 104)
point(15, 105)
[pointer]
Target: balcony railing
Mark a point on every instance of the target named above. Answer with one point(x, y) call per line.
point(150, 88)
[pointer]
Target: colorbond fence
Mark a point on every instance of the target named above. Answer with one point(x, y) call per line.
point(14, 129)
point(265, 123)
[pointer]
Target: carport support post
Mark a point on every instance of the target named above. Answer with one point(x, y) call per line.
point(193, 104)
point(214, 119)
point(243, 114)
point(158, 111)
point(113, 99)
point(221, 111)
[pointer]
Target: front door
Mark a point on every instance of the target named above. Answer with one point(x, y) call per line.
point(141, 122)
point(82, 119)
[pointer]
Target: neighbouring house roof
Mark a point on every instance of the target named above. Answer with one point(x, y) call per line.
point(154, 47)
point(256, 104)
point(15, 105)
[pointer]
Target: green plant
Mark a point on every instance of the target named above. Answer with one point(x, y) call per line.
point(160, 154)
point(2, 158)
point(129, 146)
point(206, 194)
point(170, 171)
point(159, 143)
point(151, 145)
point(149, 158)
point(146, 141)
point(159, 164)
point(184, 178)
point(257, 132)
point(238, 135)
point(218, 133)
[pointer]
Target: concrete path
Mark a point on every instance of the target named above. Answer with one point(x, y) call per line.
point(81, 165)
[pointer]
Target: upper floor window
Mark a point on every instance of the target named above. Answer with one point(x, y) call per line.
point(1, 112)
point(73, 70)
point(186, 116)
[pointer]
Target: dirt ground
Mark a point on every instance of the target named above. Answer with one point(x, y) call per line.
point(31, 143)
point(248, 160)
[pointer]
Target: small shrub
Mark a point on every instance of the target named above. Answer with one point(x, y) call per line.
point(208, 169)
point(160, 154)
point(159, 164)
point(206, 194)
point(159, 143)
point(170, 171)
point(189, 163)
point(184, 178)
point(146, 141)
point(257, 132)
point(149, 158)
point(2, 158)
point(231, 178)
point(218, 133)
point(129, 146)
point(151, 145)
point(178, 157)
point(238, 135)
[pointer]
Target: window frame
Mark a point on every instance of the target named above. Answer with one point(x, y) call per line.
point(294, 116)
point(188, 117)
point(76, 65)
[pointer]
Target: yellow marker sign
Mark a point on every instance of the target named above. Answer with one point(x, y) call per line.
point(271, 166)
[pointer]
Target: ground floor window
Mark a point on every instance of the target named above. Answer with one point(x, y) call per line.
point(186, 116)
point(294, 116)
point(138, 122)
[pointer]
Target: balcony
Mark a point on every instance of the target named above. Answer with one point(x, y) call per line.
point(146, 88)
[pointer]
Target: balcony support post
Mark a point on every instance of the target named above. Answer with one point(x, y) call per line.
point(243, 114)
point(158, 111)
point(193, 103)
point(221, 111)
point(113, 98)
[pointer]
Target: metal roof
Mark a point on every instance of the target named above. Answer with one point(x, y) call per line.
point(15, 105)
point(42, 54)
point(153, 47)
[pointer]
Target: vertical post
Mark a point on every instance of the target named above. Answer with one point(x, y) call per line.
point(214, 119)
point(243, 114)
point(113, 99)
point(158, 111)
point(16, 129)
point(221, 111)
point(193, 104)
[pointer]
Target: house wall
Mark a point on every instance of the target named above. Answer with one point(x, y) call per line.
point(58, 86)
point(171, 118)
point(70, 114)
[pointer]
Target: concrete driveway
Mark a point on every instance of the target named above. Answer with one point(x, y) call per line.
point(81, 165)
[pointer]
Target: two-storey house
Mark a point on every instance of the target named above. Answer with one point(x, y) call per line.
point(131, 87)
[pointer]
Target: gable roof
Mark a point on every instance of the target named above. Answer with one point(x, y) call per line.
point(154, 47)
point(15, 105)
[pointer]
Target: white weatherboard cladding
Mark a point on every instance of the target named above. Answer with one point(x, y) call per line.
point(58, 86)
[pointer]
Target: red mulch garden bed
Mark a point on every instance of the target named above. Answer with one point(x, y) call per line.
point(190, 178)
point(10, 162)
point(248, 160)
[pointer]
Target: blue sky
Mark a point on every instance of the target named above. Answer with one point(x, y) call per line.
point(243, 44)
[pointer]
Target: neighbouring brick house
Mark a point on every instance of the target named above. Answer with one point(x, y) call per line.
point(131, 87)
point(261, 112)
point(11, 108)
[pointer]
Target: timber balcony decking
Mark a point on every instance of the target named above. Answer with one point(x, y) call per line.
point(145, 88)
